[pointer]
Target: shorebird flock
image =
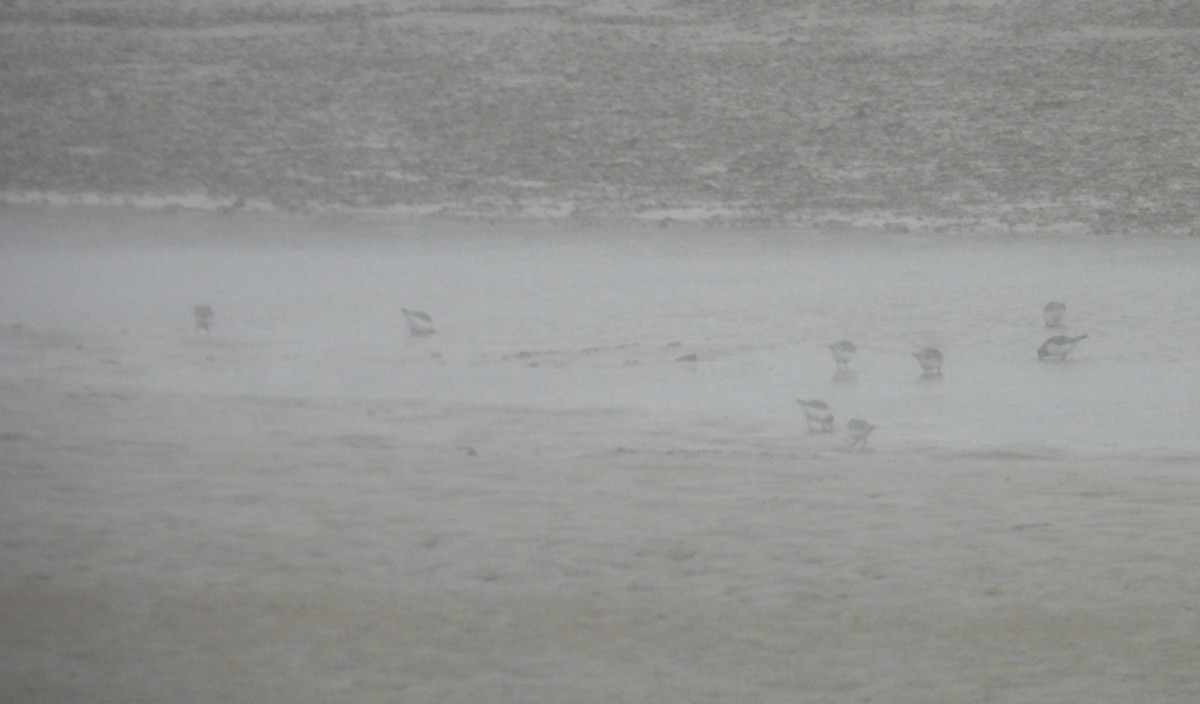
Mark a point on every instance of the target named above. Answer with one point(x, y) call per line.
point(817, 413)
point(419, 323)
point(819, 416)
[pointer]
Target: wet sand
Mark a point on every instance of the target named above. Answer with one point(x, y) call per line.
point(192, 549)
point(164, 542)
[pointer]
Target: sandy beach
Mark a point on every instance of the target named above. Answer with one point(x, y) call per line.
point(637, 227)
point(179, 526)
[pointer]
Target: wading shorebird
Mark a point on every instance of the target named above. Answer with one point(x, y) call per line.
point(204, 316)
point(859, 430)
point(418, 323)
point(817, 415)
point(843, 351)
point(930, 360)
point(1054, 312)
point(1058, 346)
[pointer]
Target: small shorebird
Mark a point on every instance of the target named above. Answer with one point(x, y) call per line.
point(1054, 312)
point(418, 323)
point(204, 316)
point(843, 351)
point(859, 430)
point(930, 360)
point(816, 413)
point(1058, 346)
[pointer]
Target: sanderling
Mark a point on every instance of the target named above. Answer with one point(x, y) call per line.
point(816, 413)
point(843, 351)
point(930, 360)
point(859, 430)
point(1054, 312)
point(418, 323)
point(1058, 346)
point(204, 316)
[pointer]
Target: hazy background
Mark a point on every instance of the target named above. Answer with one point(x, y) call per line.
point(1022, 113)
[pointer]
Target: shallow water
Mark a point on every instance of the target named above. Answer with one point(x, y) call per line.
point(548, 318)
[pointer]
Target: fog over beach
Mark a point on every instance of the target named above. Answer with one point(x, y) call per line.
point(231, 471)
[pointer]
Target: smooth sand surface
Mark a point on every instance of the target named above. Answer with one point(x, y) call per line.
point(160, 542)
point(193, 549)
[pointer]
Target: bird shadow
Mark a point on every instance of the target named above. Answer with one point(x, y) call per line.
point(844, 377)
point(930, 379)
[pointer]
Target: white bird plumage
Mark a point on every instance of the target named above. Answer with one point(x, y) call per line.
point(1058, 346)
point(419, 323)
point(859, 430)
point(204, 317)
point(1053, 313)
point(843, 351)
point(817, 415)
point(930, 360)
